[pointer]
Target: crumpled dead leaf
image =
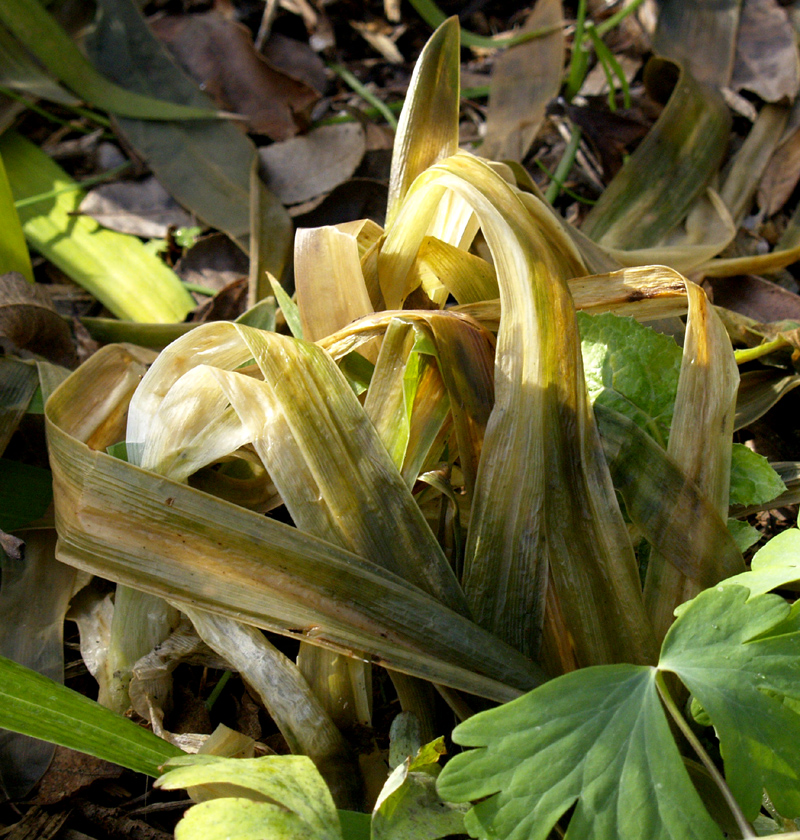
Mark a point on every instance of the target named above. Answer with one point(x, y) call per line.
point(141, 208)
point(29, 321)
point(783, 170)
point(766, 53)
point(214, 262)
point(219, 53)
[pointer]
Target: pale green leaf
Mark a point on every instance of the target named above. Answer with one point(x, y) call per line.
point(753, 481)
point(242, 819)
point(734, 653)
point(116, 268)
point(631, 369)
point(596, 739)
point(35, 705)
point(744, 534)
point(774, 566)
point(409, 808)
point(291, 782)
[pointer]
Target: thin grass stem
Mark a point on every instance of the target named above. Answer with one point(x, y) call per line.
point(78, 185)
point(349, 79)
point(564, 166)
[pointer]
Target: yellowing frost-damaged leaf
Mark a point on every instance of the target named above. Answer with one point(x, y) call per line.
point(531, 465)
point(159, 535)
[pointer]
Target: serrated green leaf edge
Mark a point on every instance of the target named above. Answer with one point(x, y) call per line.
point(35, 705)
point(753, 480)
point(735, 651)
point(595, 738)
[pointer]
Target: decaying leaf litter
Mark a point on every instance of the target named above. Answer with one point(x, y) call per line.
point(685, 162)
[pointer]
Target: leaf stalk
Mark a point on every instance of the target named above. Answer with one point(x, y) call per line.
point(666, 698)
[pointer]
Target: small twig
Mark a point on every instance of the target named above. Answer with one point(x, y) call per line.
point(265, 28)
point(666, 698)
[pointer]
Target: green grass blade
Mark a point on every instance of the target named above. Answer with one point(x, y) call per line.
point(35, 705)
point(14, 254)
point(116, 268)
point(40, 33)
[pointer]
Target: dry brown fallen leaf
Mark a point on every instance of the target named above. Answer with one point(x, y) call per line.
point(214, 262)
point(29, 321)
point(219, 54)
point(783, 171)
point(71, 772)
point(305, 167)
point(766, 53)
point(525, 78)
point(141, 208)
point(755, 297)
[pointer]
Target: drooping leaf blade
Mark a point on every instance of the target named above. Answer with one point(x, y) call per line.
point(653, 192)
point(539, 386)
point(257, 563)
point(668, 508)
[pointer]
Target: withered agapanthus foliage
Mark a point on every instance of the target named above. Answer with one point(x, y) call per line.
point(456, 498)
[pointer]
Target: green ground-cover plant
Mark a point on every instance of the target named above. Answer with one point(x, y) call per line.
point(599, 738)
point(493, 496)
